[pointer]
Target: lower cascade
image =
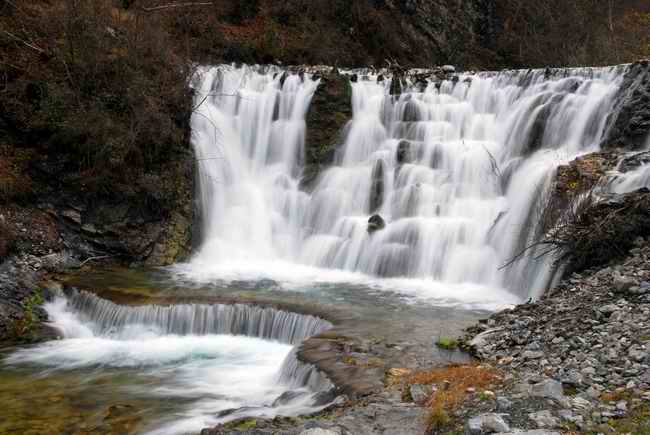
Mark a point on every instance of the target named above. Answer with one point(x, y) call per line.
point(215, 363)
point(197, 319)
point(457, 171)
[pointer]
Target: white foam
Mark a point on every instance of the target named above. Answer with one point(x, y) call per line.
point(300, 278)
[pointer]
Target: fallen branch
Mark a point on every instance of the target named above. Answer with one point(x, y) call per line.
point(99, 257)
point(175, 5)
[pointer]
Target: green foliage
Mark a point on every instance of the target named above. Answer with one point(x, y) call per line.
point(438, 418)
point(447, 343)
point(242, 424)
point(24, 327)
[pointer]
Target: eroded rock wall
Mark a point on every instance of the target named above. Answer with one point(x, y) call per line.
point(629, 122)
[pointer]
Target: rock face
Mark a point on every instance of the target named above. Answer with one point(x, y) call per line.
point(404, 152)
point(133, 231)
point(151, 224)
point(629, 122)
point(581, 230)
point(579, 176)
point(329, 112)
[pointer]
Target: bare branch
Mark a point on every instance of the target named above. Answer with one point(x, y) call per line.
point(16, 38)
point(175, 5)
point(99, 257)
point(211, 94)
point(493, 163)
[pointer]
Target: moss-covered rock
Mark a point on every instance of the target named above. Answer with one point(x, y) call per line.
point(329, 112)
point(580, 175)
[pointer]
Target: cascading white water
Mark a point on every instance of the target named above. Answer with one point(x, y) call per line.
point(198, 319)
point(185, 354)
point(249, 133)
point(457, 170)
point(634, 179)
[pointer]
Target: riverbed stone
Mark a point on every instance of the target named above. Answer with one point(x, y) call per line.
point(486, 424)
point(318, 431)
point(420, 392)
point(548, 388)
point(544, 419)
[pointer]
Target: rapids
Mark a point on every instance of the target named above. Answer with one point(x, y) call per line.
point(184, 355)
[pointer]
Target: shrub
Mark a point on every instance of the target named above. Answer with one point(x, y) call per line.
point(447, 343)
point(24, 327)
point(452, 383)
point(100, 89)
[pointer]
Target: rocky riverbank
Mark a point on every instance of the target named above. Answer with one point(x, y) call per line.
point(579, 359)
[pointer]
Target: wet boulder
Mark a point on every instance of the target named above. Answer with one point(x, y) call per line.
point(630, 163)
point(289, 396)
point(448, 69)
point(377, 186)
point(411, 112)
point(396, 85)
point(404, 152)
point(376, 223)
point(329, 112)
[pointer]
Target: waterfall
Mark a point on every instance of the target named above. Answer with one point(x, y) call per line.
point(459, 171)
point(248, 133)
point(197, 319)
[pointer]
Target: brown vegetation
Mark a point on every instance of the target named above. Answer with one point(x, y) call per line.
point(96, 94)
point(452, 383)
point(7, 240)
point(14, 183)
point(567, 33)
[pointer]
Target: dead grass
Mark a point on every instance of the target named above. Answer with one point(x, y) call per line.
point(615, 396)
point(452, 383)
